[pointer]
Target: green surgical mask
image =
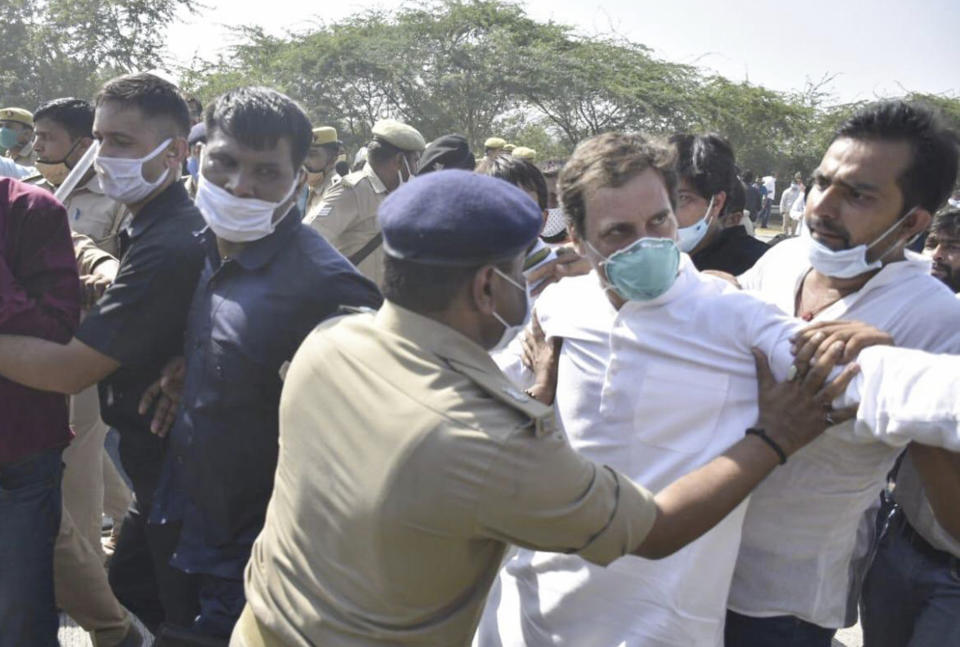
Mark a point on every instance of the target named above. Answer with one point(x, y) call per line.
point(643, 270)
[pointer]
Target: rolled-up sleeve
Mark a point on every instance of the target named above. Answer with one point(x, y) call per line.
point(539, 493)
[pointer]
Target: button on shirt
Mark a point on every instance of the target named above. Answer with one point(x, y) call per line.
point(95, 215)
point(141, 317)
point(407, 463)
point(39, 297)
point(655, 390)
point(249, 315)
point(805, 536)
point(347, 217)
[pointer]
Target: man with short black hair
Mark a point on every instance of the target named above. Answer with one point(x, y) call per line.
point(347, 214)
point(707, 173)
point(280, 279)
point(943, 247)
point(141, 122)
point(806, 535)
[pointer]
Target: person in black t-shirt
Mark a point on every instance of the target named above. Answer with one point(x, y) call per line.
point(707, 171)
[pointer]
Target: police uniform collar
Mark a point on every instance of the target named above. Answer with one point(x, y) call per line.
point(258, 253)
point(378, 185)
point(156, 208)
point(440, 339)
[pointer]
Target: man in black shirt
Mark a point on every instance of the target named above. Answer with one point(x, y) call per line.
point(141, 124)
point(707, 173)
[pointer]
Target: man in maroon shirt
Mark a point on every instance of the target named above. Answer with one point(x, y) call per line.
point(39, 297)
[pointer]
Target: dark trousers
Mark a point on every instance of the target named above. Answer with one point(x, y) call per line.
point(778, 631)
point(911, 596)
point(29, 521)
point(140, 573)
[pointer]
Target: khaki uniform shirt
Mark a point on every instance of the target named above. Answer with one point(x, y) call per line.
point(88, 254)
point(347, 217)
point(91, 213)
point(315, 195)
point(408, 462)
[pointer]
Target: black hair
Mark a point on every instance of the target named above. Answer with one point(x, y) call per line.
point(929, 177)
point(706, 161)
point(946, 221)
point(736, 198)
point(75, 115)
point(425, 288)
point(196, 108)
point(518, 172)
point(153, 96)
point(343, 168)
point(747, 177)
point(380, 151)
point(258, 118)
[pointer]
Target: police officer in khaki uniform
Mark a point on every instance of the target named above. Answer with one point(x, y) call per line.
point(347, 214)
point(321, 161)
point(494, 146)
point(525, 153)
point(63, 134)
point(408, 461)
point(16, 135)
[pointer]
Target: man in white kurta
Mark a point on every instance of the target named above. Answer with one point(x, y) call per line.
point(656, 390)
point(806, 537)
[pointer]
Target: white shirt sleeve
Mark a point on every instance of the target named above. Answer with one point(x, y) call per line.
point(906, 395)
point(770, 330)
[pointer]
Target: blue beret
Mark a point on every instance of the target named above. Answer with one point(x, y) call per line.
point(458, 218)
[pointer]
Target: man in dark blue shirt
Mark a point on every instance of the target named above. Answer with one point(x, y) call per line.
point(268, 280)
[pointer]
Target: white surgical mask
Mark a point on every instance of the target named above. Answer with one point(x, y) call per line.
point(235, 219)
point(122, 179)
point(689, 237)
point(511, 331)
point(846, 263)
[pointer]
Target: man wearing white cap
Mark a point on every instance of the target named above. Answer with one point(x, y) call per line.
point(347, 214)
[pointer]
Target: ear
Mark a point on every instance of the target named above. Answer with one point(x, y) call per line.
point(481, 289)
point(576, 241)
point(178, 151)
point(917, 222)
point(301, 180)
point(719, 200)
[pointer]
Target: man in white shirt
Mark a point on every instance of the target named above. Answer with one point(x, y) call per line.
point(790, 195)
point(656, 377)
point(806, 535)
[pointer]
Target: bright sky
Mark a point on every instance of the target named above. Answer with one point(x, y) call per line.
point(874, 47)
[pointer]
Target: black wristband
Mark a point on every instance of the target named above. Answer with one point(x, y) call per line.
point(762, 435)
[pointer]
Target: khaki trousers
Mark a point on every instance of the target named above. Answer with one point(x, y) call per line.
point(80, 579)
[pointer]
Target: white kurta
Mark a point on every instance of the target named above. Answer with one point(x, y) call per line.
point(654, 390)
point(806, 534)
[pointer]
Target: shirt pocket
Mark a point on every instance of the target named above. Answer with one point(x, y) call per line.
point(678, 408)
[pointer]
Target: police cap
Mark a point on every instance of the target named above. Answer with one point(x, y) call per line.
point(18, 115)
point(399, 134)
point(458, 219)
point(324, 135)
point(495, 143)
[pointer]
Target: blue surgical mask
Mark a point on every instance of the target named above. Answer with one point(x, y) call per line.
point(643, 270)
point(8, 138)
point(690, 237)
point(193, 167)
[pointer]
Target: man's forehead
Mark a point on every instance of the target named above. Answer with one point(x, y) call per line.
point(874, 160)
point(220, 142)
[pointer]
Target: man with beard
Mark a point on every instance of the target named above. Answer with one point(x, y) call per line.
point(943, 246)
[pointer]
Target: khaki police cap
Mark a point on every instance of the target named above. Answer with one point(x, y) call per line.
point(404, 137)
point(508, 148)
point(495, 142)
point(18, 115)
point(524, 153)
point(324, 135)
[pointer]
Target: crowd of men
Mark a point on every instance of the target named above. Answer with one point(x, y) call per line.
point(436, 400)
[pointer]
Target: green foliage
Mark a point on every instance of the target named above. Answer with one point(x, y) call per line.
point(56, 48)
